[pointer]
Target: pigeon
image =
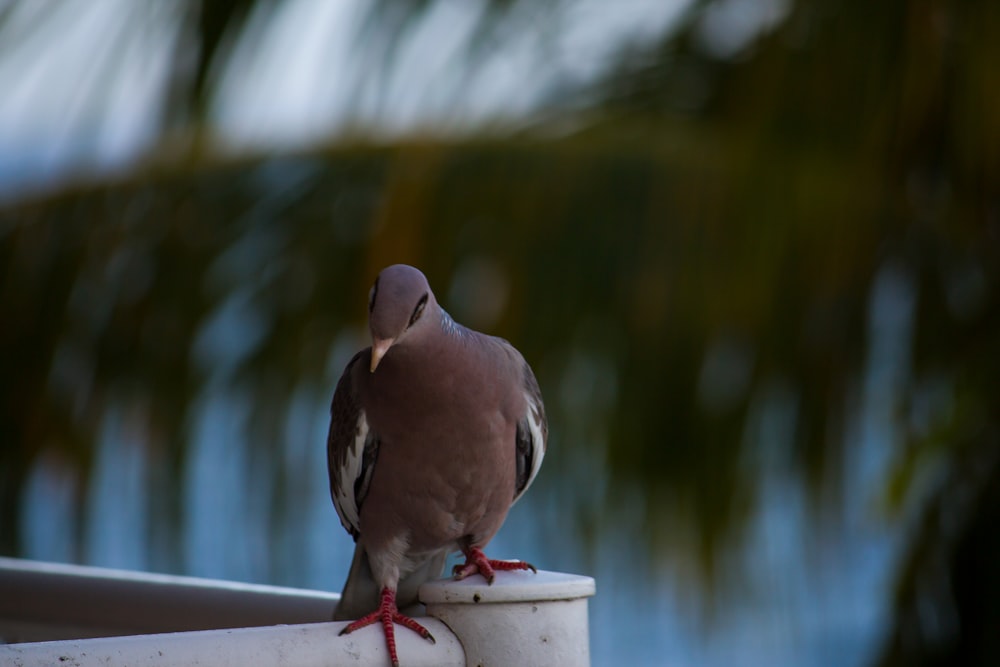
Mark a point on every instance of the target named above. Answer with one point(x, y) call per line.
point(436, 430)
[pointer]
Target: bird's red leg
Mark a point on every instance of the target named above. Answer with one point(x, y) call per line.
point(477, 562)
point(387, 613)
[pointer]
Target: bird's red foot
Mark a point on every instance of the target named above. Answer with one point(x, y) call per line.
point(387, 613)
point(477, 562)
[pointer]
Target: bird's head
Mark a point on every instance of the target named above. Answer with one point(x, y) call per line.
point(397, 303)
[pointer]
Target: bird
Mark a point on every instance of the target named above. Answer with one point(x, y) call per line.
point(436, 430)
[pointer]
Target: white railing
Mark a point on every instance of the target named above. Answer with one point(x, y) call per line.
point(83, 616)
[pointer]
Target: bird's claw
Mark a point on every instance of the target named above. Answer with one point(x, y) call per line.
point(388, 614)
point(476, 562)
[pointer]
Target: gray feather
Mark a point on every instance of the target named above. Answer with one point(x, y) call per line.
point(361, 593)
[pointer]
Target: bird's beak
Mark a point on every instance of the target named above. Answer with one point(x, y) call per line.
point(379, 347)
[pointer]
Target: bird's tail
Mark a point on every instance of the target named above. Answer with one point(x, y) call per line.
point(361, 593)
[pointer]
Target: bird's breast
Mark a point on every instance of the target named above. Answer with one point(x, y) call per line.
point(446, 463)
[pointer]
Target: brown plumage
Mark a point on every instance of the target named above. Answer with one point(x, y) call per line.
point(435, 431)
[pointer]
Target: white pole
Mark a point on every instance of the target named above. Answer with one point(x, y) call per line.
point(286, 645)
point(524, 619)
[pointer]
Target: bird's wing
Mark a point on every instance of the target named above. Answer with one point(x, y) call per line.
point(532, 433)
point(351, 450)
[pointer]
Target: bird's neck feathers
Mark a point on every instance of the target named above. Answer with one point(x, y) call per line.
point(434, 338)
point(450, 327)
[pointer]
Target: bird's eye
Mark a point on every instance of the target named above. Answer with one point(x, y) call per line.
point(418, 311)
point(371, 296)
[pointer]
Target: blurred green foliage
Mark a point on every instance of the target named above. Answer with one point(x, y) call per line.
point(735, 208)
